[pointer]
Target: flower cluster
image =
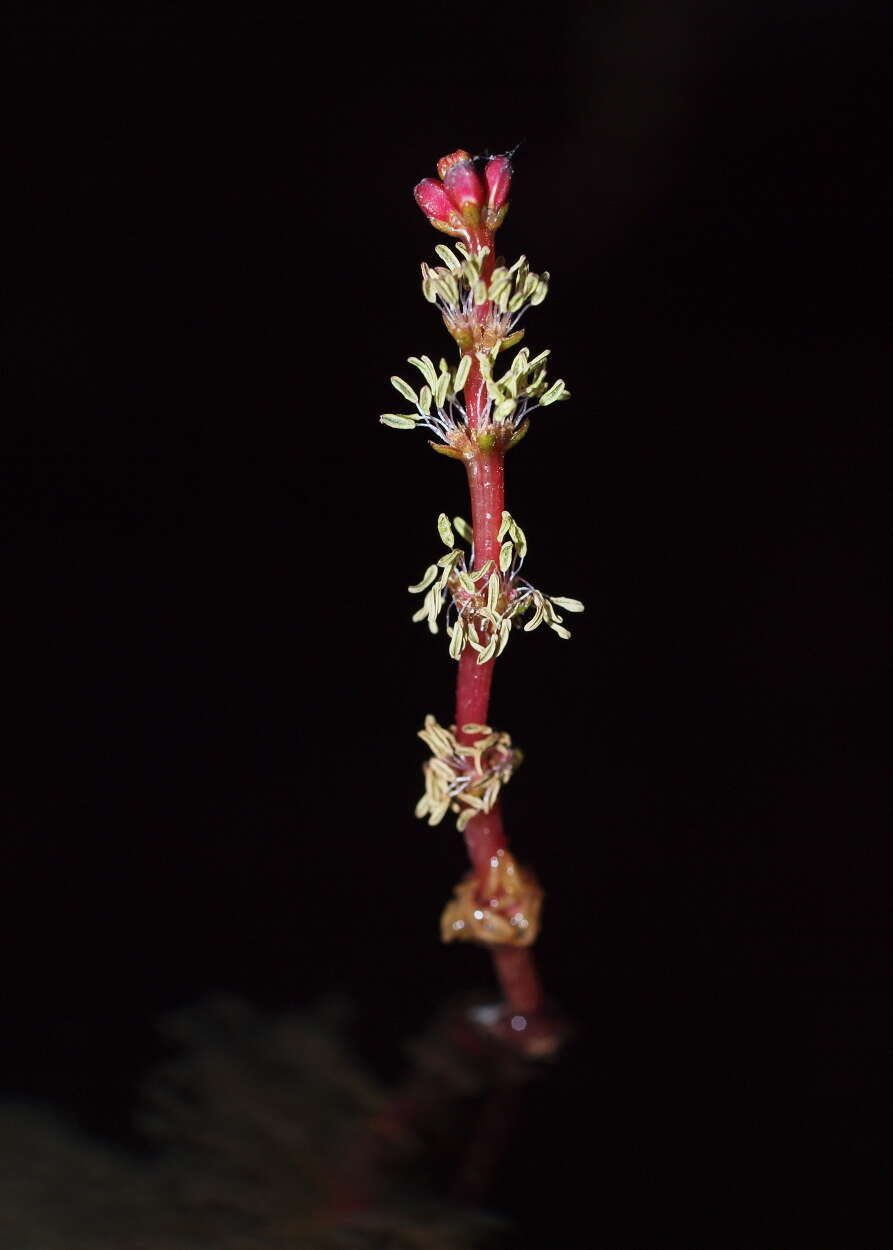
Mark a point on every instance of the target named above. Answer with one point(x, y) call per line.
point(487, 603)
point(481, 315)
point(464, 779)
point(504, 910)
point(481, 312)
point(462, 204)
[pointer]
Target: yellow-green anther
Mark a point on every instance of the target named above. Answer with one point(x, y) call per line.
point(447, 562)
point(466, 583)
point(487, 653)
point(445, 530)
point(518, 535)
point(569, 605)
point(457, 642)
point(461, 526)
point(555, 392)
point(426, 367)
point(504, 525)
point(493, 588)
point(542, 290)
point(538, 614)
point(504, 630)
point(504, 409)
point(421, 614)
point(447, 256)
point(425, 400)
point(428, 578)
point(494, 390)
point(397, 422)
point(506, 551)
point(462, 371)
point(561, 631)
point(515, 303)
point(509, 383)
point(433, 599)
point(440, 393)
point(480, 292)
point(538, 360)
point(476, 575)
point(405, 390)
point(473, 638)
point(486, 369)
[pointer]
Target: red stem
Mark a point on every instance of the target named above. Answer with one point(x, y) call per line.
point(484, 833)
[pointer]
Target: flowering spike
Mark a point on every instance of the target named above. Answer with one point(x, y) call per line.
point(476, 409)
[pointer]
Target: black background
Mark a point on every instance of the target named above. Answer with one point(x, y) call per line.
point(211, 680)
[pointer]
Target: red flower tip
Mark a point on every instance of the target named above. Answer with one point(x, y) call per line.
point(446, 161)
point(465, 189)
point(498, 177)
point(459, 205)
point(433, 200)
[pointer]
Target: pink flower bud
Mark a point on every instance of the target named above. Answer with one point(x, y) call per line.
point(463, 186)
point(458, 204)
point(498, 176)
point(433, 200)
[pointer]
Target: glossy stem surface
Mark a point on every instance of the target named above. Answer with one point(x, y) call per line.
point(484, 833)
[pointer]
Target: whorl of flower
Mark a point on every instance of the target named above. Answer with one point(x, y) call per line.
point(464, 779)
point(504, 910)
point(485, 604)
point(482, 316)
point(461, 204)
point(481, 313)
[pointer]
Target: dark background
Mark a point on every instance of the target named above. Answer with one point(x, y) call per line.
point(211, 682)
